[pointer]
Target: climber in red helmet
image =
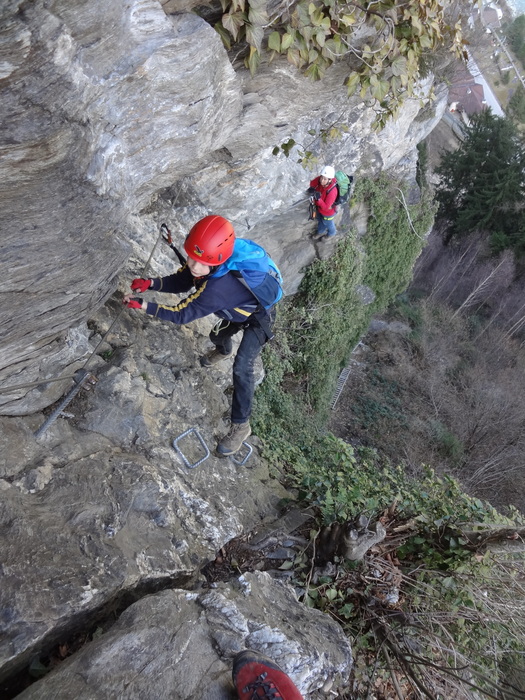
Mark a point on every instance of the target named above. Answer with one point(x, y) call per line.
point(209, 244)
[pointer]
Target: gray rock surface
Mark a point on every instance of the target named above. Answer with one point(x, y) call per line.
point(358, 542)
point(116, 115)
point(179, 645)
point(102, 505)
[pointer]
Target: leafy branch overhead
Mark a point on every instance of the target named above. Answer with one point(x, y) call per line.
point(307, 157)
point(385, 43)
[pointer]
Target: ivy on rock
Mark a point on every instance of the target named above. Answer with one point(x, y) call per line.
point(387, 45)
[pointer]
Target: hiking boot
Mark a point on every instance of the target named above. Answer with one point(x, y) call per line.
point(257, 676)
point(231, 443)
point(213, 357)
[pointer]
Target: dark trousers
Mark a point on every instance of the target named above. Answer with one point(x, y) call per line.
point(253, 339)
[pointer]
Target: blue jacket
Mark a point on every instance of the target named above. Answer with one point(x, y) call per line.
point(224, 296)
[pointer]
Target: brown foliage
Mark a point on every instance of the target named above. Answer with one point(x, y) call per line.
point(466, 276)
point(449, 396)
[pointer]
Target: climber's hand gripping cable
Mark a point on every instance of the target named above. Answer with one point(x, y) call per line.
point(140, 285)
point(133, 302)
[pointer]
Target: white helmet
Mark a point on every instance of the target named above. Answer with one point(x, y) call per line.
point(328, 172)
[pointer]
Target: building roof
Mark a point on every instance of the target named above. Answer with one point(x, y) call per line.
point(469, 95)
point(490, 17)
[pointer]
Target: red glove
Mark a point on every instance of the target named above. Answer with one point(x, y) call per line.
point(140, 285)
point(135, 303)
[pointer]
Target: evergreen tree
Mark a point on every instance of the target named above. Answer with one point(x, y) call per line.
point(482, 184)
point(516, 106)
point(516, 36)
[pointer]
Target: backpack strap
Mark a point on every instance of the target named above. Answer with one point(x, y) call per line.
point(335, 185)
point(261, 314)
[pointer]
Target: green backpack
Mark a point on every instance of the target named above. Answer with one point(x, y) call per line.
point(344, 183)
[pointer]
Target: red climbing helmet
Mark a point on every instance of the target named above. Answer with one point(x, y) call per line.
point(210, 241)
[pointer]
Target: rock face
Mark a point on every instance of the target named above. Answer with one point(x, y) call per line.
point(115, 115)
point(179, 645)
point(103, 509)
point(118, 116)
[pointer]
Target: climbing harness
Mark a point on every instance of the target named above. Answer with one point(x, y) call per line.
point(221, 325)
point(181, 454)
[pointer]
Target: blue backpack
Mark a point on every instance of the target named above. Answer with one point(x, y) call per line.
point(252, 265)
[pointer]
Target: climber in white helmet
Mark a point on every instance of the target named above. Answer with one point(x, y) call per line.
point(323, 190)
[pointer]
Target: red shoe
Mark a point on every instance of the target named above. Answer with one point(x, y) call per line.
point(256, 676)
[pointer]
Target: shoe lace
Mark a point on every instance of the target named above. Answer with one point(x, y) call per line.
point(270, 692)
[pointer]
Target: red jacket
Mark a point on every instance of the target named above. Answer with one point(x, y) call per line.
point(325, 205)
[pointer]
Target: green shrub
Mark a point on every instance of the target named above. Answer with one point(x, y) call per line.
point(449, 446)
point(445, 611)
point(382, 402)
point(403, 308)
point(319, 328)
point(326, 321)
point(391, 244)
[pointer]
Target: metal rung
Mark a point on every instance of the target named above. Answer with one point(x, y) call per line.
point(242, 461)
point(343, 377)
point(183, 456)
point(340, 385)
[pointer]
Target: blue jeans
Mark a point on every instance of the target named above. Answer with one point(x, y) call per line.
point(253, 339)
point(325, 225)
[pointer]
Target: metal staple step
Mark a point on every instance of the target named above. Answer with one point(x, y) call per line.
point(242, 460)
point(200, 439)
point(248, 449)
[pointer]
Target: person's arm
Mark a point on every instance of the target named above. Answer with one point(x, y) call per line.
point(212, 295)
point(199, 304)
point(178, 283)
point(313, 185)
